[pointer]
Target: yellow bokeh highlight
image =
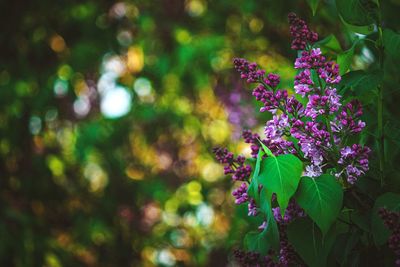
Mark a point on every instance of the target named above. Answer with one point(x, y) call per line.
point(211, 171)
point(134, 174)
point(55, 165)
point(218, 131)
point(65, 72)
point(135, 59)
point(256, 25)
point(57, 43)
point(195, 8)
point(183, 36)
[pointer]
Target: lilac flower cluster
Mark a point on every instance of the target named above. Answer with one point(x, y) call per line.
point(286, 257)
point(248, 71)
point(302, 35)
point(240, 172)
point(348, 120)
point(240, 194)
point(317, 132)
point(322, 125)
point(355, 161)
point(252, 139)
point(292, 212)
point(253, 259)
point(391, 220)
point(234, 166)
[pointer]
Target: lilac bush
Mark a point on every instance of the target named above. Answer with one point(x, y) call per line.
point(322, 125)
point(391, 220)
point(311, 122)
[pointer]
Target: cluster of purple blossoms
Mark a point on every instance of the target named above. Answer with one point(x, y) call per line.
point(232, 165)
point(248, 71)
point(320, 126)
point(252, 139)
point(303, 82)
point(286, 257)
point(287, 254)
point(315, 132)
point(292, 212)
point(300, 32)
point(253, 259)
point(240, 172)
point(391, 220)
point(348, 120)
point(240, 194)
point(355, 161)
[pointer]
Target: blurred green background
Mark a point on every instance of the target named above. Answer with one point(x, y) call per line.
point(108, 115)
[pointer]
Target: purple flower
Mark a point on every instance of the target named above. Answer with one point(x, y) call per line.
point(292, 212)
point(248, 71)
point(276, 127)
point(252, 207)
point(240, 194)
point(330, 73)
point(252, 139)
point(354, 161)
point(272, 80)
point(348, 119)
point(300, 32)
point(240, 171)
point(312, 59)
point(313, 170)
point(391, 220)
point(262, 226)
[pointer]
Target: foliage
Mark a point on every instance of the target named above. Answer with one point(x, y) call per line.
point(109, 111)
point(335, 198)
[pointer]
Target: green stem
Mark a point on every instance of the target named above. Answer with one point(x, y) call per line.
point(381, 133)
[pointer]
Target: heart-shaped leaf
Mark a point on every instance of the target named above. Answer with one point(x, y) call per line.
point(281, 175)
point(321, 198)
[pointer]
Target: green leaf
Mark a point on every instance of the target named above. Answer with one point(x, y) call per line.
point(391, 202)
point(261, 242)
point(329, 43)
point(257, 241)
point(344, 245)
point(368, 29)
point(313, 5)
point(253, 187)
point(308, 242)
point(363, 84)
point(272, 228)
point(344, 59)
point(267, 150)
point(321, 198)
point(391, 42)
point(281, 175)
point(357, 12)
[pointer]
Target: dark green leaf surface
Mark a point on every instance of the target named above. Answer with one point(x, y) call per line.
point(313, 5)
point(253, 187)
point(391, 202)
point(308, 242)
point(321, 198)
point(391, 42)
point(281, 175)
point(357, 12)
point(261, 242)
point(344, 59)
